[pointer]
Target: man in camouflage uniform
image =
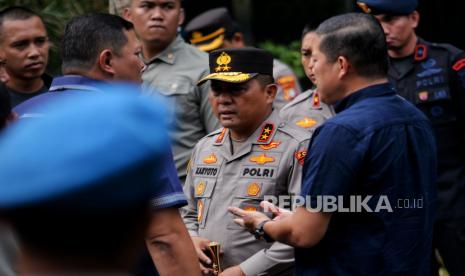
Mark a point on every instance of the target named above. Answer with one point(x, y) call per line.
point(254, 155)
point(432, 76)
point(215, 29)
point(306, 110)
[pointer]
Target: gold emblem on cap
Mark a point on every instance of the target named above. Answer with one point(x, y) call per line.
point(223, 60)
point(253, 189)
point(200, 189)
point(364, 7)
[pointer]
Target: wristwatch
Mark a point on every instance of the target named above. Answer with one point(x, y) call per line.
point(259, 233)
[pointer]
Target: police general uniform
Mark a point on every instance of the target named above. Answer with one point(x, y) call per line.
point(208, 30)
point(306, 111)
point(174, 74)
point(267, 163)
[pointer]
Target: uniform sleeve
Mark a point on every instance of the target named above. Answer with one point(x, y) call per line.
point(279, 254)
point(170, 193)
point(189, 212)
point(209, 119)
point(335, 156)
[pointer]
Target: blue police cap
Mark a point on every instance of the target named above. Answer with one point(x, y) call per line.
point(395, 7)
point(90, 152)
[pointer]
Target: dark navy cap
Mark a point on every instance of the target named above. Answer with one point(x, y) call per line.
point(208, 30)
point(89, 152)
point(394, 7)
point(238, 65)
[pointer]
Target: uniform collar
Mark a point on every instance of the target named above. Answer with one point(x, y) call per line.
point(421, 51)
point(169, 54)
point(367, 92)
point(74, 82)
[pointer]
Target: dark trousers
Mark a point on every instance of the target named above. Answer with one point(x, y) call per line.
point(449, 240)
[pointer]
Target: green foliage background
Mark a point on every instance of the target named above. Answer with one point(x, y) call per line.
point(56, 13)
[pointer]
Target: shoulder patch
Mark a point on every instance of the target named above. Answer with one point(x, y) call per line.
point(300, 156)
point(459, 64)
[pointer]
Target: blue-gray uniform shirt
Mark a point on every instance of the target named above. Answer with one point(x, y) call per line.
point(377, 145)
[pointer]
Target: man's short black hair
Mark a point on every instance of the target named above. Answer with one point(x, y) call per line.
point(5, 107)
point(87, 35)
point(358, 37)
point(16, 13)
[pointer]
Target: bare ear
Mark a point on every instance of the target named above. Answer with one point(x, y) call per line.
point(343, 66)
point(182, 16)
point(127, 14)
point(271, 90)
point(415, 19)
point(105, 62)
point(238, 40)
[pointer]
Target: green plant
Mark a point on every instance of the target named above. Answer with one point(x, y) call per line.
point(289, 54)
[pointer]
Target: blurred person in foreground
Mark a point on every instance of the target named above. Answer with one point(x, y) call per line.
point(93, 172)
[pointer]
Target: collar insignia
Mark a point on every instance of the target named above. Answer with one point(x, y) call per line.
point(221, 136)
point(316, 100)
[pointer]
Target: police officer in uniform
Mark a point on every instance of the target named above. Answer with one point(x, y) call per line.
point(432, 76)
point(306, 110)
point(215, 29)
point(255, 154)
point(174, 68)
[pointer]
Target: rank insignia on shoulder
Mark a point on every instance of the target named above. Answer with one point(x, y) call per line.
point(220, 137)
point(262, 159)
point(316, 100)
point(211, 159)
point(271, 145)
point(300, 156)
point(459, 64)
point(306, 122)
point(199, 210)
point(265, 135)
point(253, 189)
point(200, 189)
